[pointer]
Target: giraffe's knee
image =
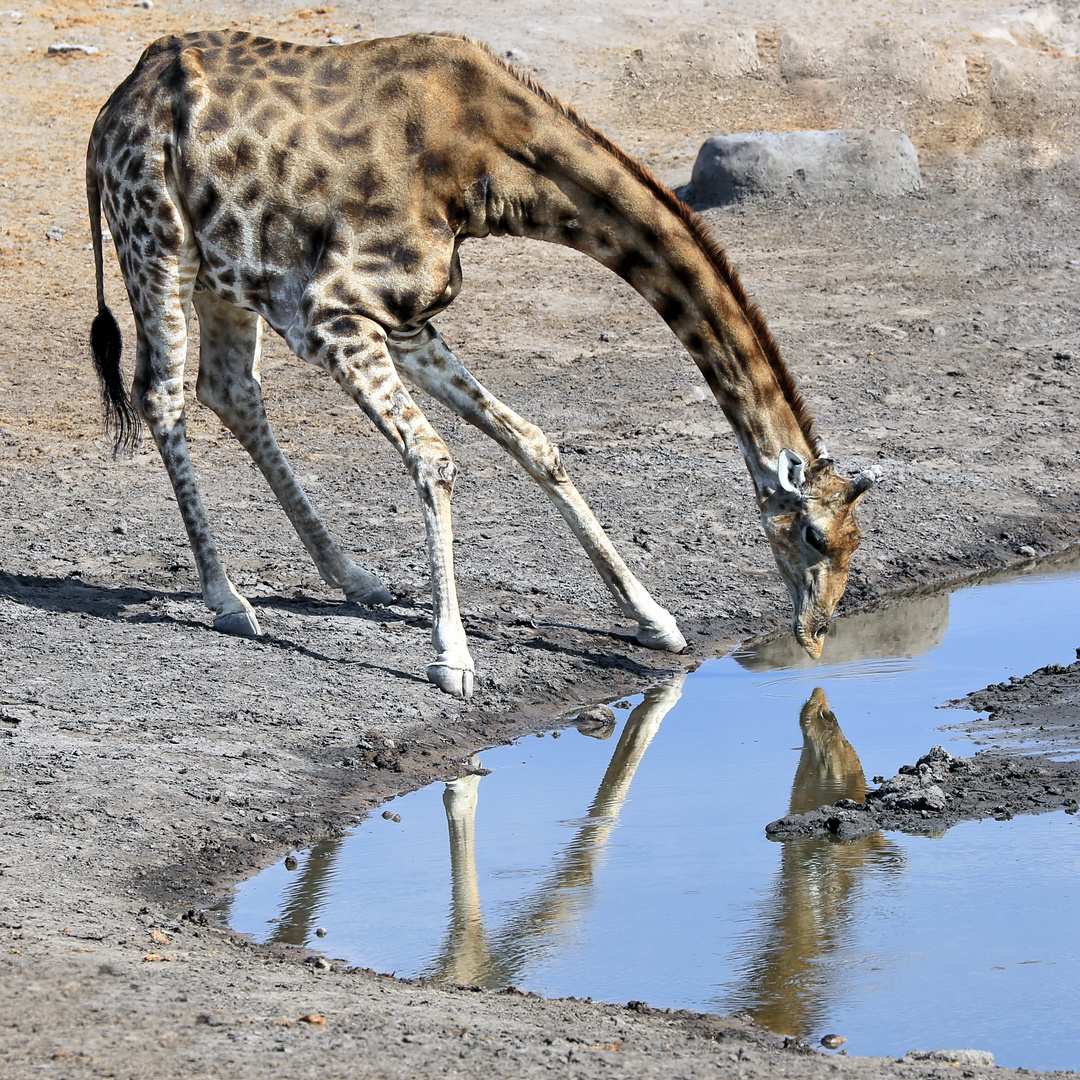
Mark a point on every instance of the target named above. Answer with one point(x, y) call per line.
point(159, 402)
point(435, 473)
point(544, 459)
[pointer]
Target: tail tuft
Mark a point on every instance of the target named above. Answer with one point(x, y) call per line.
point(121, 420)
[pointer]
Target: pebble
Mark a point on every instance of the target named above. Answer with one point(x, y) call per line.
point(335, 39)
point(831, 1042)
point(516, 56)
point(145, 5)
point(55, 233)
point(388, 815)
point(1027, 551)
point(290, 862)
point(320, 931)
point(67, 47)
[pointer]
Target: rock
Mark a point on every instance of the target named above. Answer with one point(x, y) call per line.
point(290, 862)
point(597, 721)
point(815, 164)
point(388, 815)
point(68, 47)
point(335, 39)
point(320, 931)
point(516, 56)
point(831, 1042)
point(55, 233)
point(1027, 551)
point(145, 5)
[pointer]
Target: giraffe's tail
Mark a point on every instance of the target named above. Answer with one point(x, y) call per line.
point(106, 342)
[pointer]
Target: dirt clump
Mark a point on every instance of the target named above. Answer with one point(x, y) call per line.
point(941, 790)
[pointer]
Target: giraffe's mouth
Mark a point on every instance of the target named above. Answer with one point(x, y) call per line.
point(811, 636)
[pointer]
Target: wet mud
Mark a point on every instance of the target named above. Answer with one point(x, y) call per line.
point(939, 791)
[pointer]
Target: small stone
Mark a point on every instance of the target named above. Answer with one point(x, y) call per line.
point(121, 528)
point(388, 815)
point(605, 336)
point(596, 721)
point(67, 47)
point(320, 931)
point(695, 395)
point(516, 56)
point(55, 233)
point(145, 5)
point(396, 817)
point(939, 331)
point(1027, 551)
point(335, 39)
point(290, 862)
point(314, 1019)
point(831, 1042)
point(319, 963)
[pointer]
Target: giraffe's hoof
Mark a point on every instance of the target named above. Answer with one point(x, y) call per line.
point(238, 623)
point(365, 588)
point(662, 638)
point(455, 681)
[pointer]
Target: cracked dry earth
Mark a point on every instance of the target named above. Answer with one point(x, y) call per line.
point(149, 763)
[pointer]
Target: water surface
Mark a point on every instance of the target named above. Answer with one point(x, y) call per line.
point(636, 866)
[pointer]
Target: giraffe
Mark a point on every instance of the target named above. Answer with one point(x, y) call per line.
point(325, 191)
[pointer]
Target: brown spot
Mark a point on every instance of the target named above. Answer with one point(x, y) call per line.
point(289, 67)
point(333, 73)
point(290, 92)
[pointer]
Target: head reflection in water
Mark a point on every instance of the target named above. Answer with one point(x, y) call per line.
point(787, 979)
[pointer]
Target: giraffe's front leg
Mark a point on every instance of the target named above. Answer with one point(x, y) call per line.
point(354, 352)
point(427, 359)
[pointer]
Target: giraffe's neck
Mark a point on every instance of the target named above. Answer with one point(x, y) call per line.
point(602, 204)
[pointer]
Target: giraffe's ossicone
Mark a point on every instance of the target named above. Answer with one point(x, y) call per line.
point(325, 191)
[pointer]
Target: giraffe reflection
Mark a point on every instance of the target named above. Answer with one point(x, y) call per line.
point(787, 978)
point(469, 953)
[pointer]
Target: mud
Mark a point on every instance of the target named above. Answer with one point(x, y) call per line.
point(149, 763)
point(941, 790)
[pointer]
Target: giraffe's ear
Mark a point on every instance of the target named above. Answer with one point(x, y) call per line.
point(791, 472)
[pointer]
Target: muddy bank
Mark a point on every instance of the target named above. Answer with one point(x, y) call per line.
point(941, 790)
point(1039, 713)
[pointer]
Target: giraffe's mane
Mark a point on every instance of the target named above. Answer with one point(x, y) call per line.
point(701, 234)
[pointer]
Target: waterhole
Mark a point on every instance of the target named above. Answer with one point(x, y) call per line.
point(631, 862)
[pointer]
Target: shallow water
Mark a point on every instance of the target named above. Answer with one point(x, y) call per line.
point(636, 867)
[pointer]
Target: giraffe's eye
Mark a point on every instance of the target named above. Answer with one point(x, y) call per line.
point(816, 538)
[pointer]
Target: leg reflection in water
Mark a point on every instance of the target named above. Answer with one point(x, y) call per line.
point(544, 920)
point(790, 966)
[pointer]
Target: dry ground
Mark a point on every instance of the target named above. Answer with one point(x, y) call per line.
point(149, 763)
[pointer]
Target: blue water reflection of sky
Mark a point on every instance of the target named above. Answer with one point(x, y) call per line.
point(669, 891)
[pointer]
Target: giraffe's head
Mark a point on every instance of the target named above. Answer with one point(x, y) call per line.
point(809, 518)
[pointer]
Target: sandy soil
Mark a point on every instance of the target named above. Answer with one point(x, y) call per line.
point(149, 763)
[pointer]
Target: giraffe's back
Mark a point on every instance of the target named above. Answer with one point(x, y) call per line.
point(368, 161)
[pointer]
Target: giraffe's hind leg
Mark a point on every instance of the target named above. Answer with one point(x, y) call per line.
point(428, 361)
point(229, 384)
point(160, 294)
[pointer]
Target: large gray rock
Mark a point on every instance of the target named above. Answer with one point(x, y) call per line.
point(818, 164)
